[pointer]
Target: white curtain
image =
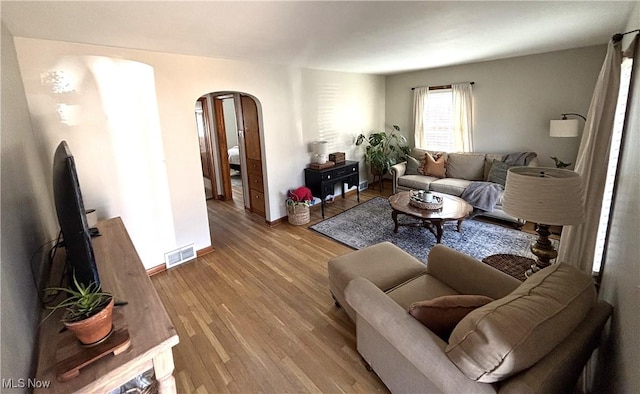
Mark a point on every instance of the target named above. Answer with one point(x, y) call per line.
point(577, 244)
point(419, 100)
point(462, 117)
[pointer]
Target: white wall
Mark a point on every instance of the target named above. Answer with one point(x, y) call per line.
point(619, 360)
point(283, 95)
point(514, 99)
point(28, 219)
point(336, 107)
point(106, 109)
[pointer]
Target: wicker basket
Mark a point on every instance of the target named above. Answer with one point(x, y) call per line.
point(433, 205)
point(298, 214)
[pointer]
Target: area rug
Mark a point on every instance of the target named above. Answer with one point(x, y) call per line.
point(370, 223)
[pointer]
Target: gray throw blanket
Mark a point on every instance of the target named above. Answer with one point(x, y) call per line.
point(483, 195)
point(519, 158)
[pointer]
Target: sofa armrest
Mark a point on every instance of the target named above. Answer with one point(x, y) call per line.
point(396, 171)
point(467, 275)
point(559, 370)
point(420, 346)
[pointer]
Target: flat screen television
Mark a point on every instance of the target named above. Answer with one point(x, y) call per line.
point(72, 218)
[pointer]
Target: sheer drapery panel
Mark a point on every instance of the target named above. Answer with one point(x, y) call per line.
point(420, 96)
point(462, 117)
point(577, 244)
point(443, 118)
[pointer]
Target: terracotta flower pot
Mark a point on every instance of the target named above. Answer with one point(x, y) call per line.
point(95, 328)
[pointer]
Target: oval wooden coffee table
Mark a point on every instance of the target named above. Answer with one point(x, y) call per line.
point(453, 208)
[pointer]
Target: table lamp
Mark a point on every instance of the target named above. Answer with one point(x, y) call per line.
point(545, 196)
point(320, 150)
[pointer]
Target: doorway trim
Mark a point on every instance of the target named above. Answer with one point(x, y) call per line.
point(221, 136)
point(209, 153)
point(253, 187)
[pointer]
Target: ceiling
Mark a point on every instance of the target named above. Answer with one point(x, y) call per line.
point(381, 37)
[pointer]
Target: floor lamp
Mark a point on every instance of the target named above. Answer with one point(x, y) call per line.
point(564, 128)
point(545, 196)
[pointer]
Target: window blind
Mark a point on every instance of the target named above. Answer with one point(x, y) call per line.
point(439, 120)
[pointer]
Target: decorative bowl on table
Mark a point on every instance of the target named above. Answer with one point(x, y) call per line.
point(425, 200)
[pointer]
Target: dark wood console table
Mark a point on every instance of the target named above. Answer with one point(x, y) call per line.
point(322, 182)
point(151, 332)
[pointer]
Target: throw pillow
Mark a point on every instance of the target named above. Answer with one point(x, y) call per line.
point(442, 314)
point(421, 164)
point(511, 334)
point(412, 166)
point(498, 172)
point(434, 166)
point(469, 166)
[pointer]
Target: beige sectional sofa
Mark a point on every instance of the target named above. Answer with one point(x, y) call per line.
point(461, 170)
point(535, 337)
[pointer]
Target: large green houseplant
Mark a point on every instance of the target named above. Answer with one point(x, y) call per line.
point(384, 149)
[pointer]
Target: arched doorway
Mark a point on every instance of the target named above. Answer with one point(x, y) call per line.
point(231, 148)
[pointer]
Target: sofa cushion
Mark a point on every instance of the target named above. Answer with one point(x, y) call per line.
point(412, 165)
point(469, 166)
point(434, 166)
point(384, 264)
point(498, 172)
point(442, 314)
point(418, 153)
point(511, 334)
point(416, 182)
point(452, 186)
point(422, 163)
point(488, 162)
point(423, 287)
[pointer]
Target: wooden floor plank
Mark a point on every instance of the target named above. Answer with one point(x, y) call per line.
point(256, 315)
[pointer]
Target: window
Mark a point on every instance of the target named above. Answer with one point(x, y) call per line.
point(616, 141)
point(438, 120)
point(443, 117)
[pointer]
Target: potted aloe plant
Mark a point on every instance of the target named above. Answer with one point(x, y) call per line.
point(88, 311)
point(384, 149)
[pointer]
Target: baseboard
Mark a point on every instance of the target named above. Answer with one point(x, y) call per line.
point(205, 251)
point(162, 267)
point(156, 270)
point(276, 222)
point(347, 193)
point(312, 207)
point(350, 192)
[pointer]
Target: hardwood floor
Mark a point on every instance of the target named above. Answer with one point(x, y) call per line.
point(256, 315)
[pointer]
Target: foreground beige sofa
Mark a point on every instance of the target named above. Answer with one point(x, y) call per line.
point(409, 358)
point(462, 169)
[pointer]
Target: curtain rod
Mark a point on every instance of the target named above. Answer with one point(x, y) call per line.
point(618, 36)
point(437, 87)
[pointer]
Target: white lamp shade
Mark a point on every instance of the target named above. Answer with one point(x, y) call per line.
point(564, 128)
point(320, 147)
point(544, 195)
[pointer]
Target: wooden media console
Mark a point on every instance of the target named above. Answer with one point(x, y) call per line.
point(151, 333)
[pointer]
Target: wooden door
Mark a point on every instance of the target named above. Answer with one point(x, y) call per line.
point(221, 135)
point(253, 152)
point(206, 152)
